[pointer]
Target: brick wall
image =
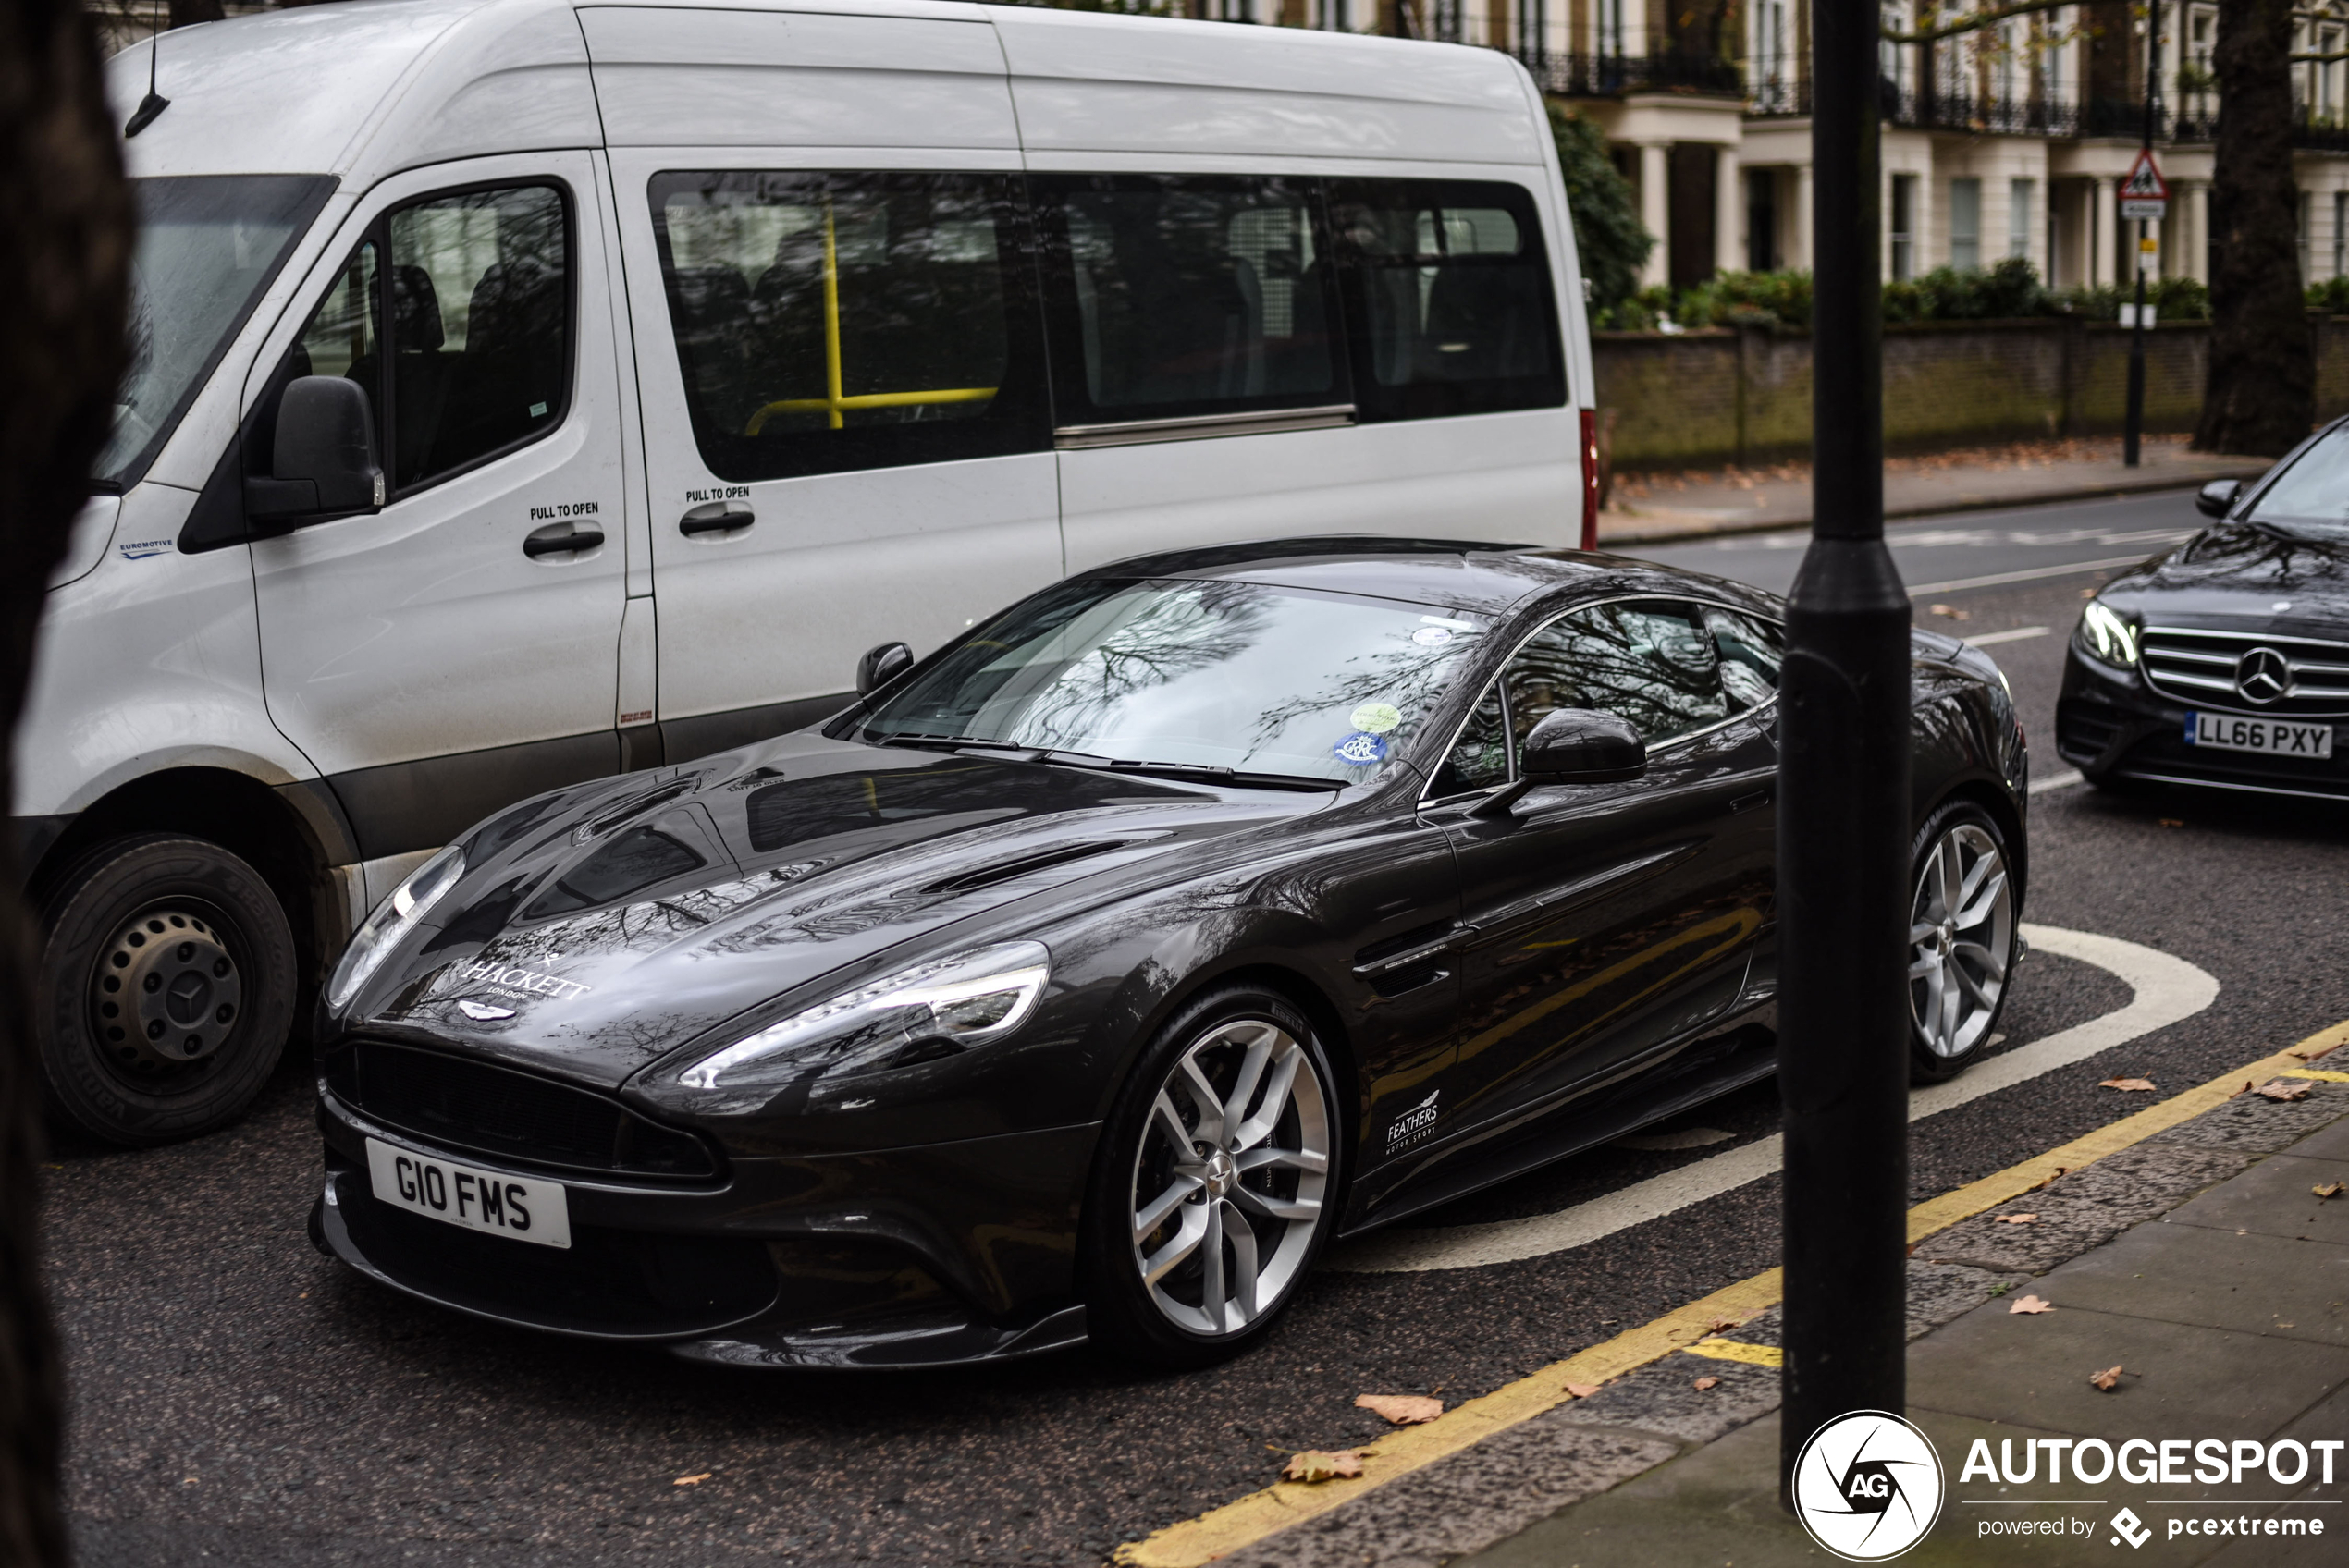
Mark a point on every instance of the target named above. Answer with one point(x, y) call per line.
point(1721, 395)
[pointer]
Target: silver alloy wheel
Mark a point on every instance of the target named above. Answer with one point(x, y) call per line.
point(1229, 1177)
point(1961, 938)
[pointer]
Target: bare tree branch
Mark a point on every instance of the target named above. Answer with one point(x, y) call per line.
point(1973, 21)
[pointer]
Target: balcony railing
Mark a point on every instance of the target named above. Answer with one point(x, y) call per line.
point(1611, 76)
point(1921, 109)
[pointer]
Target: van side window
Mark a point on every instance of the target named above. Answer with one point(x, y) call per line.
point(478, 293)
point(833, 322)
point(1448, 300)
point(1173, 296)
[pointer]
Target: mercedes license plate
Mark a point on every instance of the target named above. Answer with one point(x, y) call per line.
point(512, 1207)
point(2227, 732)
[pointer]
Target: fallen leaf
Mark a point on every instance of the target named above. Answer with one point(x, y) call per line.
point(2173, 822)
point(1312, 1466)
point(2030, 1304)
point(1723, 1325)
point(1952, 612)
point(1404, 1410)
point(2108, 1379)
point(692, 1480)
point(2014, 1220)
point(1581, 1391)
point(2329, 1190)
point(2035, 1187)
point(2282, 1089)
point(1703, 1383)
point(2127, 1085)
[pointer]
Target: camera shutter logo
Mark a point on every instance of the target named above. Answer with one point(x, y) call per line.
point(2263, 675)
point(1868, 1485)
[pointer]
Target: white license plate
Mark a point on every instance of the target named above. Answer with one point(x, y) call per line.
point(2227, 732)
point(512, 1207)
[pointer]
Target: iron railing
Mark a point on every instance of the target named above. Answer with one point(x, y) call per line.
point(1611, 76)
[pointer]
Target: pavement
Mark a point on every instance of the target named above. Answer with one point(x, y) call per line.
point(1655, 507)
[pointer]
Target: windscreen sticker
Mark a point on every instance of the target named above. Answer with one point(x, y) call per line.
point(1431, 636)
point(1376, 718)
point(1360, 749)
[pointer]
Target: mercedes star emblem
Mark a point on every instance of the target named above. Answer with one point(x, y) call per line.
point(2262, 675)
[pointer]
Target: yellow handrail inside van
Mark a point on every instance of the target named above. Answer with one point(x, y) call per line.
point(834, 403)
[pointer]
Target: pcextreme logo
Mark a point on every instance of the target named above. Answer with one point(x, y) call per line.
point(1867, 1486)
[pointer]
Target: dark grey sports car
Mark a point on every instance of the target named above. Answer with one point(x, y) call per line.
point(1087, 977)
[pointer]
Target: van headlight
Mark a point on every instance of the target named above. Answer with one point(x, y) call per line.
point(393, 919)
point(2108, 636)
point(930, 1009)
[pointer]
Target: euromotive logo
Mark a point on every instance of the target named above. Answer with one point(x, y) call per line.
point(1868, 1485)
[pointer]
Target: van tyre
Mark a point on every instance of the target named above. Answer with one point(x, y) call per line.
point(165, 989)
point(1215, 1184)
point(1964, 928)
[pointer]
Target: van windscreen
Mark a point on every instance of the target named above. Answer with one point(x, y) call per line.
point(208, 245)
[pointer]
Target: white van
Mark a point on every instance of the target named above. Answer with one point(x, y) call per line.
point(530, 390)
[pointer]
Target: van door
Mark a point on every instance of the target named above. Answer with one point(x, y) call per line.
point(458, 649)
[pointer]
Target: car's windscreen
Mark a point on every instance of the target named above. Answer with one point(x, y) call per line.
point(2312, 496)
point(208, 245)
point(1245, 675)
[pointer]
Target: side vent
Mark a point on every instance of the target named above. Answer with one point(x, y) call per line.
point(1404, 962)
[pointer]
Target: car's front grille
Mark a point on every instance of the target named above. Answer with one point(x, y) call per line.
point(466, 1105)
point(2207, 668)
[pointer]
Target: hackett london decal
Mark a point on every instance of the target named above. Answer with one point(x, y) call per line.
point(524, 982)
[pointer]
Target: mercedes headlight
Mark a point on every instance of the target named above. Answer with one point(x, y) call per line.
point(930, 1009)
point(393, 919)
point(2108, 636)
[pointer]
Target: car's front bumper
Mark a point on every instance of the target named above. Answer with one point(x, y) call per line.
point(2110, 723)
point(930, 1256)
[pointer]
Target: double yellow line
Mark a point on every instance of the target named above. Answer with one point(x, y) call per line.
point(1194, 1542)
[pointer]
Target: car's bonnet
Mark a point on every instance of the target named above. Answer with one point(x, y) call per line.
point(595, 940)
point(2237, 573)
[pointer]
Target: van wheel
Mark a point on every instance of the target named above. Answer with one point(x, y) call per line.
point(165, 989)
point(1215, 1184)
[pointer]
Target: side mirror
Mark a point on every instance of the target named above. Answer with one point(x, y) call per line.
point(1572, 746)
point(325, 459)
point(881, 666)
point(2218, 497)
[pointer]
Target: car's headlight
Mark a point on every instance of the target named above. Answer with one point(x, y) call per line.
point(2108, 636)
point(393, 919)
point(931, 1008)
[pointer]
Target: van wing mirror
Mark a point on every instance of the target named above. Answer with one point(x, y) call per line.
point(324, 462)
point(881, 666)
point(2218, 497)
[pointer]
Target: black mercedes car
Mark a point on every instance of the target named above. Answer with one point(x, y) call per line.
point(2225, 663)
point(1088, 976)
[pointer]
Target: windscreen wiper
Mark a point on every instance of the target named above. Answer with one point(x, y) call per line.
point(1203, 774)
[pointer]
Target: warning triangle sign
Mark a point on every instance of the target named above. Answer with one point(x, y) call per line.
point(2145, 182)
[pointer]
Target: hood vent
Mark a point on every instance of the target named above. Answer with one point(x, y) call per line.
point(635, 805)
point(1008, 870)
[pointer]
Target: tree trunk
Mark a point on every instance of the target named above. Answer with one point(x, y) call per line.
point(65, 239)
point(2262, 393)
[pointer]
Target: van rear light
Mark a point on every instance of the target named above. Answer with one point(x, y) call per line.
point(1590, 479)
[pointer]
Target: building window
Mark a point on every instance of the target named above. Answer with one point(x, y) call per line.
point(2021, 201)
point(1760, 220)
point(1904, 211)
point(2340, 232)
point(2303, 216)
point(1965, 223)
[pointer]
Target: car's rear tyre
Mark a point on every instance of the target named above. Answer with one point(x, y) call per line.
point(1216, 1182)
point(165, 989)
point(1963, 928)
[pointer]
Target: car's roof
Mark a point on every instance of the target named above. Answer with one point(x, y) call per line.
point(1487, 579)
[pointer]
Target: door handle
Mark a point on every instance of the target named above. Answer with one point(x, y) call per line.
point(716, 517)
point(559, 539)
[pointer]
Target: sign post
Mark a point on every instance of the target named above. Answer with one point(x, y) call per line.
point(2144, 196)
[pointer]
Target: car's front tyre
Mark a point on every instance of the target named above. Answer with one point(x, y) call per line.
point(1216, 1182)
point(1963, 934)
point(165, 989)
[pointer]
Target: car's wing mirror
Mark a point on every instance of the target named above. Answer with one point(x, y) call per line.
point(324, 463)
point(881, 666)
point(1573, 746)
point(2218, 497)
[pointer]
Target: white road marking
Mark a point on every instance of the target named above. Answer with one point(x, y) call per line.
point(2064, 780)
point(2012, 634)
point(2165, 990)
point(2026, 575)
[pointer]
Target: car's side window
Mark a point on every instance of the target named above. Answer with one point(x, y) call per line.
point(828, 322)
point(478, 296)
point(1480, 757)
point(1650, 662)
point(1751, 651)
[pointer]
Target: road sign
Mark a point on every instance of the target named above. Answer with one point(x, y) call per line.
point(2145, 194)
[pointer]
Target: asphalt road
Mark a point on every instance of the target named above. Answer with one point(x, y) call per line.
point(237, 1399)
